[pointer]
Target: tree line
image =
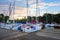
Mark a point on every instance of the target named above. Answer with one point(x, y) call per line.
point(46, 18)
point(3, 18)
point(49, 18)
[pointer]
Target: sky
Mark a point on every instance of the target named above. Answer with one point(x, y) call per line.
point(51, 6)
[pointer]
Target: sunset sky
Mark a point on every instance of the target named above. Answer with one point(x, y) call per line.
point(52, 6)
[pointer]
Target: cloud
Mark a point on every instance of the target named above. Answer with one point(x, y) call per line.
point(44, 5)
point(49, 4)
point(18, 0)
point(53, 4)
point(21, 10)
point(4, 7)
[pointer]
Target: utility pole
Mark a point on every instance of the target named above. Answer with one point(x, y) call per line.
point(36, 10)
point(52, 17)
point(40, 11)
point(13, 10)
point(46, 17)
point(27, 10)
point(10, 9)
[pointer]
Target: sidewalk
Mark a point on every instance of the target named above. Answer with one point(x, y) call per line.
point(52, 33)
point(9, 34)
point(39, 35)
point(51, 30)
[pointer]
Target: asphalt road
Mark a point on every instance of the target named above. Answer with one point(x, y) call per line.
point(18, 35)
point(32, 36)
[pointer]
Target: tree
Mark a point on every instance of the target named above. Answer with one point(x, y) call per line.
point(57, 18)
point(29, 18)
point(47, 18)
point(33, 18)
point(6, 18)
point(1, 17)
point(39, 18)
